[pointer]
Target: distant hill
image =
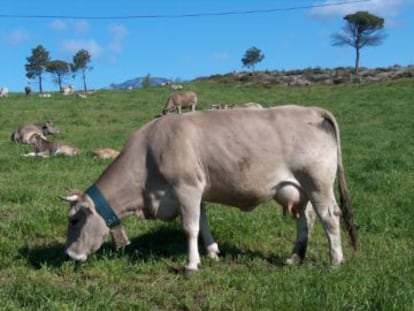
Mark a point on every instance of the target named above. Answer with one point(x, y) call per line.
point(136, 83)
point(298, 77)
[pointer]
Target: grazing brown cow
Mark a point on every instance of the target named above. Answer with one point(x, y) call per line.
point(25, 132)
point(45, 148)
point(237, 157)
point(178, 100)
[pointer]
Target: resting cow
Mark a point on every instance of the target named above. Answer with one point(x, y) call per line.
point(25, 132)
point(179, 100)
point(249, 105)
point(45, 148)
point(67, 90)
point(4, 92)
point(105, 153)
point(239, 157)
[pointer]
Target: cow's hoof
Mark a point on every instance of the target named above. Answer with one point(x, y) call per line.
point(293, 260)
point(214, 256)
point(213, 251)
point(189, 272)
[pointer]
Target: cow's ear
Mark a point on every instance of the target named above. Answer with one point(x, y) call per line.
point(70, 198)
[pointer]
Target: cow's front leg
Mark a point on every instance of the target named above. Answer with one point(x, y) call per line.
point(209, 242)
point(304, 226)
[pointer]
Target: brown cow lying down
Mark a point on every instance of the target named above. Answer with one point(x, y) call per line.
point(25, 132)
point(237, 157)
point(45, 148)
point(179, 100)
point(105, 153)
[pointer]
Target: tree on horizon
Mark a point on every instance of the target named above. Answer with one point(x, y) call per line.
point(60, 69)
point(80, 63)
point(36, 64)
point(361, 29)
point(251, 57)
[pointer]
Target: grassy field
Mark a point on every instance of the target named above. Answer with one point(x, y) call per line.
point(377, 128)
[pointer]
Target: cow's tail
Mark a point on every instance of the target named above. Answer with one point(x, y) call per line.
point(342, 187)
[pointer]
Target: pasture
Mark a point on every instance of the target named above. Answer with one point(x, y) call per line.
point(376, 122)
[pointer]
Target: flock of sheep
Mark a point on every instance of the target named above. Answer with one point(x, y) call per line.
point(36, 135)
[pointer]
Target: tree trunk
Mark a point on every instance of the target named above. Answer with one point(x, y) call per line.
point(40, 85)
point(59, 82)
point(357, 60)
point(84, 81)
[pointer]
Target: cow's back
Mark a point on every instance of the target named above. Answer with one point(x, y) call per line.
point(242, 154)
point(23, 133)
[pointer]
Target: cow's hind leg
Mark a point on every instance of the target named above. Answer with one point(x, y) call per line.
point(190, 200)
point(208, 239)
point(329, 213)
point(304, 226)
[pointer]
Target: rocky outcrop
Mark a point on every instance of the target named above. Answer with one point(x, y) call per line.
point(314, 76)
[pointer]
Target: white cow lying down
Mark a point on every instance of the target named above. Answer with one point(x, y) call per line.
point(238, 157)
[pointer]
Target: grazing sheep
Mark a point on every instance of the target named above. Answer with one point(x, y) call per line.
point(105, 153)
point(45, 148)
point(178, 100)
point(24, 133)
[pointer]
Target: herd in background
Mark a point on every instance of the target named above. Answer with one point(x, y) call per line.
point(35, 135)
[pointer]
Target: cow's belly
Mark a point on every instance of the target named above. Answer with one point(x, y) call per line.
point(247, 193)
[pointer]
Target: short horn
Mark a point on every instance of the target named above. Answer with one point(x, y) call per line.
point(70, 198)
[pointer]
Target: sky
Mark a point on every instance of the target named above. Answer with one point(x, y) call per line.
point(183, 40)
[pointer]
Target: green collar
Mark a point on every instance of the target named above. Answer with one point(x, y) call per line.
point(103, 207)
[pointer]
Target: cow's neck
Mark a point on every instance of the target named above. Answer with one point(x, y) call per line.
point(41, 145)
point(120, 186)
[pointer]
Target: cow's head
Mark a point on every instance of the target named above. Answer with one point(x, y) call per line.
point(87, 230)
point(48, 128)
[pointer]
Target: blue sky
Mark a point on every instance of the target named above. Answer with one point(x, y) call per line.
point(189, 47)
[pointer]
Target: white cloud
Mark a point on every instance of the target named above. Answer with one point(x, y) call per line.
point(77, 26)
point(117, 33)
point(333, 8)
point(70, 47)
point(220, 56)
point(104, 49)
point(18, 36)
point(58, 25)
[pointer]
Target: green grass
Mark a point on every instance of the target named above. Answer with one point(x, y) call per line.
point(377, 140)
